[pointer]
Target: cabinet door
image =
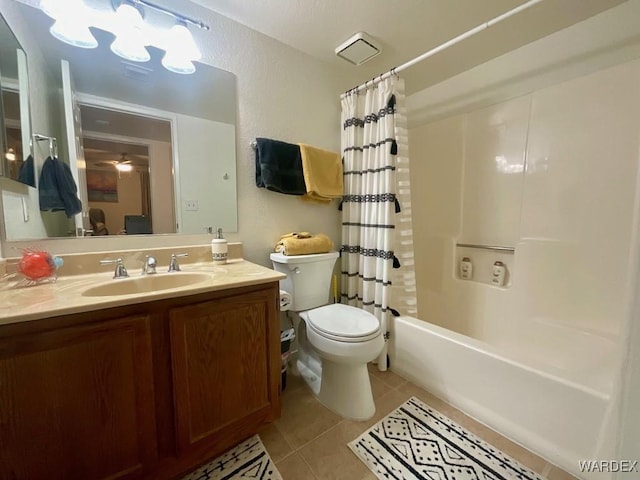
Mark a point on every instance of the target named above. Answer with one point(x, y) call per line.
point(77, 403)
point(222, 355)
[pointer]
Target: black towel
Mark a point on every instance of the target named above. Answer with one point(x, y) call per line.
point(279, 167)
point(27, 172)
point(57, 188)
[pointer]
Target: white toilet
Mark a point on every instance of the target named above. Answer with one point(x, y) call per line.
point(335, 341)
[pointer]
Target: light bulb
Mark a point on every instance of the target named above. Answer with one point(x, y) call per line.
point(57, 9)
point(181, 43)
point(130, 49)
point(124, 167)
point(10, 155)
point(178, 64)
point(51, 7)
point(74, 33)
point(129, 43)
point(128, 16)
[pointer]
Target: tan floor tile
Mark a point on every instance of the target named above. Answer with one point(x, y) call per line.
point(388, 377)
point(303, 417)
point(274, 442)
point(378, 387)
point(295, 468)
point(331, 459)
point(294, 382)
point(557, 474)
point(384, 405)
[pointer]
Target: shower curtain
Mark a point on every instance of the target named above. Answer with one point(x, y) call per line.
point(377, 242)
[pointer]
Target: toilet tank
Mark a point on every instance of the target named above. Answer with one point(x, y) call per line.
point(308, 278)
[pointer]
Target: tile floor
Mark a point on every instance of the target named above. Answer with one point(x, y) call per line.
point(309, 442)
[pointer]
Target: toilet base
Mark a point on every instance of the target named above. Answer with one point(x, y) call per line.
point(342, 388)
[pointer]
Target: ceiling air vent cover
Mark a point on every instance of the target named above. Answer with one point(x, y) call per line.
point(358, 49)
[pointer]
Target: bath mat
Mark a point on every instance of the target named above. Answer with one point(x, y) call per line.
point(247, 460)
point(415, 442)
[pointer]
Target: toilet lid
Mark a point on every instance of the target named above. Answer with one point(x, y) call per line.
point(343, 321)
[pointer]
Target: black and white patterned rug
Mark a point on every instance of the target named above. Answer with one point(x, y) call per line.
point(415, 442)
point(247, 460)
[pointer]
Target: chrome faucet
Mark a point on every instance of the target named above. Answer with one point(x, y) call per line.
point(173, 264)
point(121, 271)
point(149, 266)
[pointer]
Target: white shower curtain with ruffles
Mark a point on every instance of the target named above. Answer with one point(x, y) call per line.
point(377, 271)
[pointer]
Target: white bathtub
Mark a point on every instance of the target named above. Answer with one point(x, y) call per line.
point(551, 408)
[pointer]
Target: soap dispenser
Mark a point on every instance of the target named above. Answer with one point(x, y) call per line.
point(219, 248)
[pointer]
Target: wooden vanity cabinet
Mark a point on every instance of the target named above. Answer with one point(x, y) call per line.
point(220, 358)
point(148, 391)
point(77, 402)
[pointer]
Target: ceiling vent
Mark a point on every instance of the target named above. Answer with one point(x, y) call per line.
point(136, 72)
point(358, 49)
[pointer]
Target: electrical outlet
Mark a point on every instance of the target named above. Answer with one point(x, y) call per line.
point(191, 205)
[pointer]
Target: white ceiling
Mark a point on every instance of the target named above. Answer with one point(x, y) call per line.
point(405, 29)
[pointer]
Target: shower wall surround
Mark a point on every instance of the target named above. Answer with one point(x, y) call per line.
point(553, 174)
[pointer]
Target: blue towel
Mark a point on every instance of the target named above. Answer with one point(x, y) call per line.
point(27, 172)
point(279, 167)
point(57, 189)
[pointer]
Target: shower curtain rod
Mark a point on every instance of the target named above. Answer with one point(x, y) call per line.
point(444, 46)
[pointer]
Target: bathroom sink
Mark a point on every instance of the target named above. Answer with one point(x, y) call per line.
point(146, 284)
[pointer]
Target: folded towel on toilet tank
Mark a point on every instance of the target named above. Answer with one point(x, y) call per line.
point(303, 243)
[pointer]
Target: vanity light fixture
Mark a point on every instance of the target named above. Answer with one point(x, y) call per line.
point(132, 29)
point(70, 22)
point(129, 43)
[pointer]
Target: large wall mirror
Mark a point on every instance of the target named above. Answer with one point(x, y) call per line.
point(16, 162)
point(158, 147)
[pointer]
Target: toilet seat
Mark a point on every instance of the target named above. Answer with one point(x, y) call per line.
point(342, 323)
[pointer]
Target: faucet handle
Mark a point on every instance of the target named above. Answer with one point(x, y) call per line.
point(121, 271)
point(149, 266)
point(173, 264)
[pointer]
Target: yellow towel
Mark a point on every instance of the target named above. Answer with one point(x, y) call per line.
point(306, 244)
point(322, 171)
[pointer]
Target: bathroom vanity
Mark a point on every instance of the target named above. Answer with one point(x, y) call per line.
point(147, 385)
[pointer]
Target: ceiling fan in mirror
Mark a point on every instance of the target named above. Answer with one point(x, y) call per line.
point(126, 162)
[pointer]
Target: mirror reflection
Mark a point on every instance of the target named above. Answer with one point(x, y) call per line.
point(129, 172)
point(176, 132)
point(16, 162)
